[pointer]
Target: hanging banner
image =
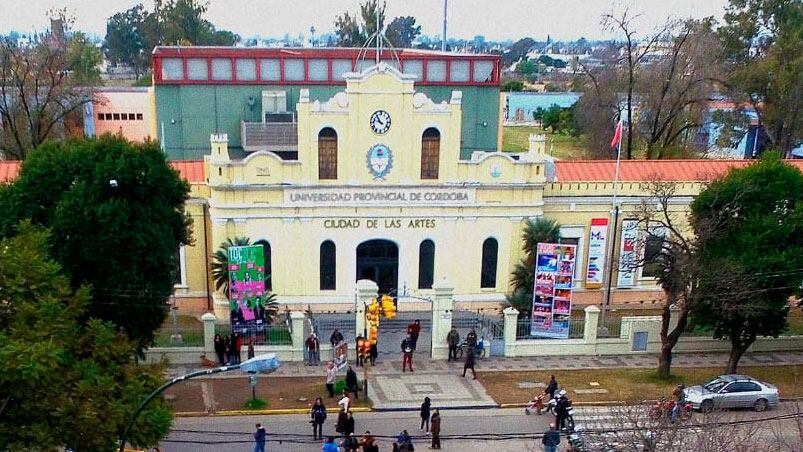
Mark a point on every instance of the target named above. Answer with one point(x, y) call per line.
point(247, 289)
point(552, 294)
point(597, 246)
point(628, 254)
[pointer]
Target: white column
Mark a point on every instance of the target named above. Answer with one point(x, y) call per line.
point(442, 307)
point(297, 336)
point(511, 325)
point(590, 327)
point(209, 333)
point(366, 289)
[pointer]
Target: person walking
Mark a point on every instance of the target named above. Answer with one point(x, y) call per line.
point(551, 439)
point(453, 339)
point(679, 396)
point(405, 442)
point(469, 362)
point(551, 387)
point(318, 417)
point(407, 353)
point(562, 409)
point(345, 401)
point(425, 414)
point(368, 443)
point(413, 330)
point(349, 443)
point(313, 350)
point(331, 375)
point(352, 383)
point(260, 436)
point(373, 353)
point(349, 424)
point(329, 445)
point(220, 349)
point(471, 339)
point(251, 352)
point(435, 429)
point(340, 425)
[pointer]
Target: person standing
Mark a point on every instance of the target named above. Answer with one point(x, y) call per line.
point(374, 353)
point(260, 436)
point(352, 383)
point(405, 442)
point(349, 424)
point(680, 398)
point(368, 443)
point(413, 330)
point(425, 414)
point(407, 353)
point(318, 415)
point(562, 410)
point(435, 429)
point(349, 443)
point(345, 402)
point(551, 387)
point(331, 374)
point(340, 425)
point(453, 339)
point(228, 350)
point(251, 352)
point(471, 339)
point(220, 350)
point(236, 346)
point(329, 445)
point(469, 362)
point(313, 347)
point(551, 439)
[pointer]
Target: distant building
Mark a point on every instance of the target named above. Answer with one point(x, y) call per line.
point(123, 111)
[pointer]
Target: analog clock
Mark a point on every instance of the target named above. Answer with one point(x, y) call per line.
point(380, 122)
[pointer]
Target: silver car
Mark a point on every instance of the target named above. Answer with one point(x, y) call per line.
point(732, 391)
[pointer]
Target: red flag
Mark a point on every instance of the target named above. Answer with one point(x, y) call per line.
point(617, 135)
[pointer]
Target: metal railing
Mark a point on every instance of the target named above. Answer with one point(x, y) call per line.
point(274, 334)
point(612, 325)
point(576, 328)
point(269, 136)
point(179, 335)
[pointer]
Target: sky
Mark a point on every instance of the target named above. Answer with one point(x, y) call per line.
point(494, 19)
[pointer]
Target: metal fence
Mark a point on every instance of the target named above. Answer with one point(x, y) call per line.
point(610, 327)
point(488, 326)
point(576, 328)
point(180, 335)
point(273, 334)
point(325, 324)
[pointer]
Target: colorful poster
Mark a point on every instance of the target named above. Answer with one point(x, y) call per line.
point(552, 294)
point(247, 289)
point(597, 247)
point(628, 254)
point(341, 355)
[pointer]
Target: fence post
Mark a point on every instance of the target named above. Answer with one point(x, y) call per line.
point(366, 289)
point(297, 334)
point(442, 307)
point(209, 333)
point(511, 327)
point(591, 324)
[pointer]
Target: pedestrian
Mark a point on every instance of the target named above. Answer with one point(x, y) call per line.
point(471, 339)
point(313, 348)
point(260, 436)
point(349, 424)
point(251, 348)
point(405, 442)
point(228, 350)
point(551, 439)
point(318, 417)
point(236, 346)
point(680, 399)
point(551, 387)
point(374, 353)
point(335, 339)
point(349, 443)
point(352, 383)
point(453, 339)
point(413, 330)
point(345, 401)
point(562, 409)
point(340, 425)
point(425, 414)
point(407, 354)
point(368, 443)
point(469, 362)
point(331, 375)
point(435, 429)
point(220, 349)
point(329, 445)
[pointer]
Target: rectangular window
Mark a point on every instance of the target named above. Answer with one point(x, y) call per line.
point(436, 71)
point(414, 67)
point(139, 116)
point(270, 70)
point(339, 68)
point(108, 116)
point(221, 69)
point(294, 69)
point(100, 116)
point(246, 69)
point(483, 71)
point(392, 63)
point(364, 64)
point(653, 251)
point(197, 69)
point(318, 70)
point(116, 116)
point(131, 116)
point(459, 71)
point(124, 116)
point(172, 69)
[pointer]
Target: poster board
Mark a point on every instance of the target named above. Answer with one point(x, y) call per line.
point(341, 355)
point(552, 294)
point(628, 254)
point(597, 249)
point(247, 289)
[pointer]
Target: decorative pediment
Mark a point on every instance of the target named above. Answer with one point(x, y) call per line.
point(339, 103)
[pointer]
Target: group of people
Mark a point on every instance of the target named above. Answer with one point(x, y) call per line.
point(229, 348)
point(551, 438)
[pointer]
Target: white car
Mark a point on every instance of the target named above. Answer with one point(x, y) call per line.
point(732, 391)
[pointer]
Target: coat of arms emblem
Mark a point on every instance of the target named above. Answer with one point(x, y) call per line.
point(379, 160)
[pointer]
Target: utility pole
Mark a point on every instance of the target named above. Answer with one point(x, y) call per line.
point(443, 38)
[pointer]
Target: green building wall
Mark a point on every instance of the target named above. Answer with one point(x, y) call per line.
point(188, 114)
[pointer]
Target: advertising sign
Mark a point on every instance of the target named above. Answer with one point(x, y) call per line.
point(628, 254)
point(341, 355)
point(552, 294)
point(597, 245)
point(247, 289)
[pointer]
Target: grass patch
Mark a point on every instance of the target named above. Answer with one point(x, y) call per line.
point(190, 328)
point(255, 404)
point(565, 147)
point(631, 385)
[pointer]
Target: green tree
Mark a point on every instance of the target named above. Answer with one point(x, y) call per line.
point(512, 85)
point(65, 381)
point(125, 43)
point(750, 227)
point(353, 31)
point(116, 213)
point(517, 51)
point(763, 43)
point(541, 230)
point(402, 31)
point(526, 67)
point(83, 60)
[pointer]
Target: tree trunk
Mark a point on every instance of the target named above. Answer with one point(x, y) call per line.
point(737, 350)
point(665, 361)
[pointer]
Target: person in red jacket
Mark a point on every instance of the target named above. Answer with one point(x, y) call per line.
point(414, 329)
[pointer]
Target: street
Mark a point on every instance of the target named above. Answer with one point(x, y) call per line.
point(462, 430)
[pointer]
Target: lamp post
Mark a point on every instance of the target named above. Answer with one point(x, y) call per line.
point(267, 363)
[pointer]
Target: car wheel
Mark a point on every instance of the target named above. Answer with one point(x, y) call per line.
point(760, 405)
point(707, 406)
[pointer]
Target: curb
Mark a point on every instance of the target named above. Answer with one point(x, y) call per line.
point(257, 412)
point(445, 408)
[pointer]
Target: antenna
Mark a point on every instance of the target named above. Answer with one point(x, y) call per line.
point(443, 41)
point(379, 41)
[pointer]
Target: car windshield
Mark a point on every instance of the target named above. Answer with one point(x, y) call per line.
point(715, 385)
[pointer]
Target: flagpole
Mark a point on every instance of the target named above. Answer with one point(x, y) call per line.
point(614, 228)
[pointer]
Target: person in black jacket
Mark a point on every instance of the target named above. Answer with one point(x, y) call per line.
point(551, 439)
point(407, 353)
point(318, 415)
point(352, 384)
point(220, 350)
point(349, 424)
point(551, 387)
point(425, 414)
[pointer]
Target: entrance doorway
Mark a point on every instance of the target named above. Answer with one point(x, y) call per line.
point(378, 260)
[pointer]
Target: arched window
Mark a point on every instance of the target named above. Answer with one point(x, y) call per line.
point(268, 273)
point(327, 153)
point(328, 272)
point(430, 153)
point(426, 264)
point(490, 249)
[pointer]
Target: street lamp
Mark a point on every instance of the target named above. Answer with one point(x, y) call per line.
point(265, 364)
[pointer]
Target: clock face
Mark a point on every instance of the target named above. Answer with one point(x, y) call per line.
point(380, 121)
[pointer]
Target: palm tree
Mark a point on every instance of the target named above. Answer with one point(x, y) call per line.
point(220, 263)
point(542, 230)
point(271, 307)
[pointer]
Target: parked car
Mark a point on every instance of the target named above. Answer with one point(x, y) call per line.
point(732, 391)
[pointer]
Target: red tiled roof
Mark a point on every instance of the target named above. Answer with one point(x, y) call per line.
point(190, 170)
point(644, 170)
